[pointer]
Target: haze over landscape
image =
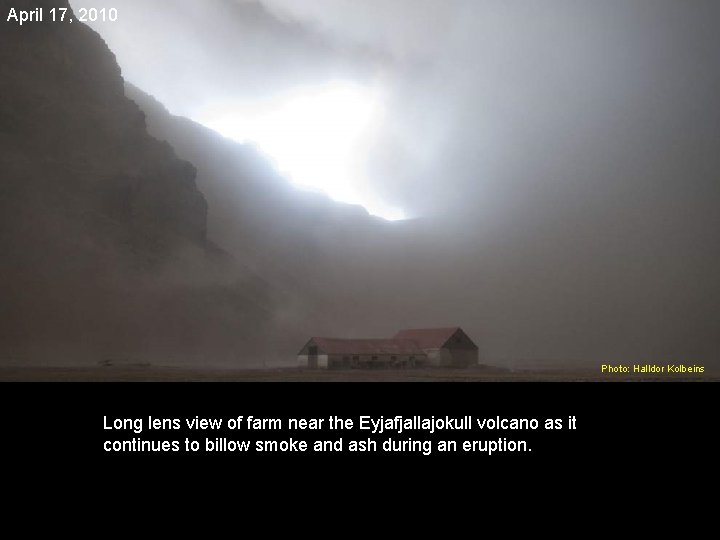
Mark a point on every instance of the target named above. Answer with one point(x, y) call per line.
point(213, 182)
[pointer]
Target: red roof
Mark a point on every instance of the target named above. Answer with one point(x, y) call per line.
point(427, 338)
point(367, 346)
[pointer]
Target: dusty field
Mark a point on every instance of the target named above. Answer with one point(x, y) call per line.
point(177, 374)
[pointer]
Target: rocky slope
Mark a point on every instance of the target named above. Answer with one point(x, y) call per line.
point(333, 262)
point(103, 230)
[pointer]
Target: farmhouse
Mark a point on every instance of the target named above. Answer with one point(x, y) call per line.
point(449, 347)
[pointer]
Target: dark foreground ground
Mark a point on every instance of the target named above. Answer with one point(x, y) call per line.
point(183, 374)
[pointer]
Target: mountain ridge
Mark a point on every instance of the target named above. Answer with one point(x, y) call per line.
point(102, 227)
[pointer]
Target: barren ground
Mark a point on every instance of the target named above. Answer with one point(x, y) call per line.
point(184, 374)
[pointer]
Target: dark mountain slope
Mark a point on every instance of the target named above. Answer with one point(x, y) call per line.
point(102, 228)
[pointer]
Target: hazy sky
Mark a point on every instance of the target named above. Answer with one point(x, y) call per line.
point(461, 107)
point(566, 155)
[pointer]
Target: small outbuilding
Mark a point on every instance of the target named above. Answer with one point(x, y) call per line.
point(449, 347)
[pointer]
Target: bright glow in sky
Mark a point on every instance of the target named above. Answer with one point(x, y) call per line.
point(316, 136)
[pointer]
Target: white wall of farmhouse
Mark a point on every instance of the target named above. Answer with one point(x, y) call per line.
point(304, 359)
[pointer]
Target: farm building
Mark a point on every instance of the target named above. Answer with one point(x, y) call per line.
point(443, 346)
point(360, 353)
point(449, 347)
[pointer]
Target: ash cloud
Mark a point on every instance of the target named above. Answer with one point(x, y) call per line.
point(564, 153)
point(188, 53)
point(490, 102)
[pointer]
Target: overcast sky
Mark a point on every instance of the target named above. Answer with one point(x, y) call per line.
point(489, 106)
point(566, 153)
